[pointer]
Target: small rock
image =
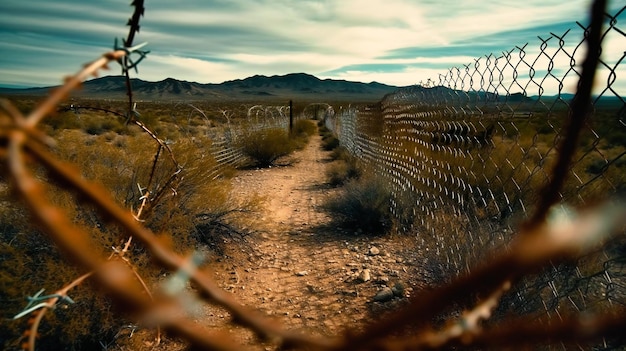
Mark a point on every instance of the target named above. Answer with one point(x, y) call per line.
point(383, 279)
point(365, 276)
point(398, 289)
point(384, 295)
point(302, 273)
point(374, 251)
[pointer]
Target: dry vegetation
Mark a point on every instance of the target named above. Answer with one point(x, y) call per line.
point(191, 210)
point(160, 198)
point(265, 146)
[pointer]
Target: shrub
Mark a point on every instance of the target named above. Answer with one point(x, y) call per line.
point(266, 146)
point(344, 168)
point(337, 173)
point(329, 142)
point(64, 120)
point(97, 126)
point(120, 163)
point(303, 127)
point(29, 262)
point(340, 153)
point(322, 129)
point(302, 130)
point(363, 204)
point(596, 167)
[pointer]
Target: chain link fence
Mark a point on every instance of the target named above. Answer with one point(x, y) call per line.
point(467, 153)
point(225, 147)
point(464, 157)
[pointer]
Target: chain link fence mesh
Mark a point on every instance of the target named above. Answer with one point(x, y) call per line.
point(465, 155)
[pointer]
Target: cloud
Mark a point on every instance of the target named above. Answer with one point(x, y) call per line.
point(186, 68)
point(62, 21)
point(391, 41)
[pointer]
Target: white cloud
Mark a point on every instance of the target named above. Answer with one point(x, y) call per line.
point(456, 20)
point(26, 77)
point(223, 40)
point(160, 67)
point(405, 77)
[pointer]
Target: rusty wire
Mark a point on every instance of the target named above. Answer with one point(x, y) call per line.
point(431, 182)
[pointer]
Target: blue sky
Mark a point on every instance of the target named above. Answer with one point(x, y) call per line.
point(398, 42)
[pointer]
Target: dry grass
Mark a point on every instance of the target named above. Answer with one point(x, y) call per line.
point(84, 219)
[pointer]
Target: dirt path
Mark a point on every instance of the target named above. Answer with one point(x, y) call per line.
point(300, 270)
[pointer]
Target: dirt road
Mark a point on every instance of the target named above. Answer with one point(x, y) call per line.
point(299, 269)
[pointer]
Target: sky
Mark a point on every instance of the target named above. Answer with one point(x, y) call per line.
point(396, 42)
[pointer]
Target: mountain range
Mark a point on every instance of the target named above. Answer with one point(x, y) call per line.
point(296, 86)
point(299, 86)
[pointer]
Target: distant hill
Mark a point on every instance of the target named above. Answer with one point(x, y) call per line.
point(445, 95)
point(608, 101)
point(291, 86)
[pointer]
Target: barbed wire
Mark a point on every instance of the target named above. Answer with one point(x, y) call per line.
point(468, 162)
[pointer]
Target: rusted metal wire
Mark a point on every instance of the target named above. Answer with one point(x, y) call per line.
point(450, 155)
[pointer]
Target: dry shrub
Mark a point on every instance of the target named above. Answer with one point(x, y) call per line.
point(367, 207)
point(329, 142)
point(29, 261)
point(343, 168)
point(267, 145)
point(337, 173)
point(363, 204)
point(123, 164)
point(304, 128)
